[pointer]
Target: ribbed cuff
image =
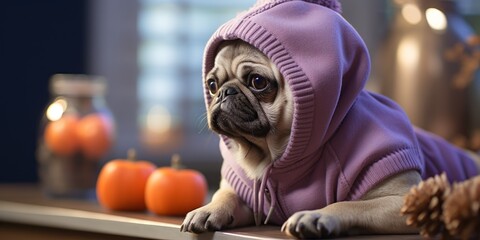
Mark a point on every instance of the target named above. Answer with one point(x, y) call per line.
point(392, 164)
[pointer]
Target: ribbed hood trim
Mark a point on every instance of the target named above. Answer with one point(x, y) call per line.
point(242, 27)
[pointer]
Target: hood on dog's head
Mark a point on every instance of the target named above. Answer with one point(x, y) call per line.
point(321, 56)
point(332, 4)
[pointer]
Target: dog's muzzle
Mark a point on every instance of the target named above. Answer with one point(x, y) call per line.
point(232, 114)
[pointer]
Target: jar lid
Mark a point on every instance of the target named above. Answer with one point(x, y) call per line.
point(77, 85)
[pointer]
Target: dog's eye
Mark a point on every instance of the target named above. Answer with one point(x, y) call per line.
point(258, 82)
point(212, 86)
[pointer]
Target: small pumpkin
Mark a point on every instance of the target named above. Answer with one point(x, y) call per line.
point(175, 191)
point(95, 135)
point(121, 183)
point(60, 135)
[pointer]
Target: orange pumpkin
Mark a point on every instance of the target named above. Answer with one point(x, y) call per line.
point(175, 191)
point(121, 184)
point(60, 135)
point(95, 134)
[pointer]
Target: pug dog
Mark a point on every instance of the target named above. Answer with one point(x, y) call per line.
point(254, 103)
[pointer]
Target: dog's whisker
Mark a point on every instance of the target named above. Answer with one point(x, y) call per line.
point(202, 122)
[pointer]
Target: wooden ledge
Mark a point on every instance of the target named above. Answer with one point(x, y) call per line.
point(25, 204)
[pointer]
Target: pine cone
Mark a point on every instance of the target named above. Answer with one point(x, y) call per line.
point(423, 205)
point(461, 209)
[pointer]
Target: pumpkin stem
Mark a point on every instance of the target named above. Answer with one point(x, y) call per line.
point(175, 161)
point(132, 154)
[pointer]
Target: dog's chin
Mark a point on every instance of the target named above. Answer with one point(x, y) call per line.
point(236, 120)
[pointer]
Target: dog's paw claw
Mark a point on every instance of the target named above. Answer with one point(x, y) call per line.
point(310, 224)
point(206, 219)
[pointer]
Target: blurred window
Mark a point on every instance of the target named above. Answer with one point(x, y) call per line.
point(150, 52)
point(172, 36)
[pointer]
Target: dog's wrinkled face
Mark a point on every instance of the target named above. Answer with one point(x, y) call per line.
point(251, 103)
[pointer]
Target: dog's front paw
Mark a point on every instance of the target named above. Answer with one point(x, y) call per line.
point(312, 224)
point(207, 218)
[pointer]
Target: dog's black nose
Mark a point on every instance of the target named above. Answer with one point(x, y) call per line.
point(230, 91)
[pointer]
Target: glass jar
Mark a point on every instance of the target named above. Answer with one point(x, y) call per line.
point(76, 132)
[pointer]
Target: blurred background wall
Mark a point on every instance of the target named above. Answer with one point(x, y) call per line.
point(37, 39)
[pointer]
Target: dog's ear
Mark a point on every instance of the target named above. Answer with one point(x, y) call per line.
point(332, 4)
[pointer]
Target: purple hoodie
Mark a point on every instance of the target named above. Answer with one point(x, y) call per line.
point(344, 139)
